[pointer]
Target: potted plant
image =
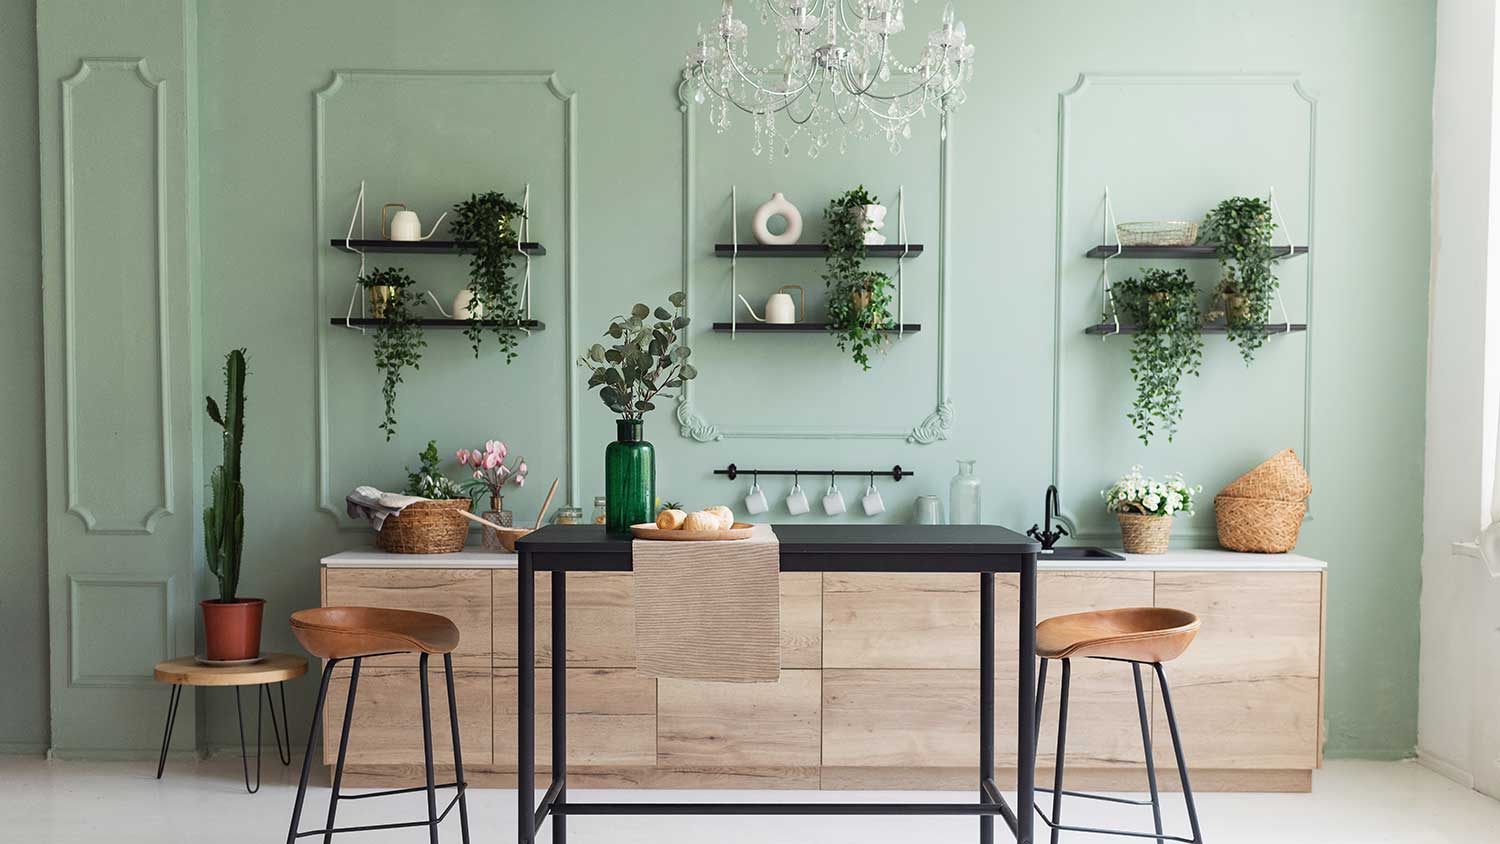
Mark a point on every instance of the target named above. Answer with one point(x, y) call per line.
point(430, 526)
point(646, 358)
point(490, 220)
point(490, 477)
point(398, 338)
point(1145, 507)
point(1168, 344)
point(1241, 228)
point(231, 624)
point(858, 300)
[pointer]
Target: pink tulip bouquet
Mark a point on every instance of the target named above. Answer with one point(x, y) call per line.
point(490, 472)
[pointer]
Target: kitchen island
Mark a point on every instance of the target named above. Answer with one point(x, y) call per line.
point(878, 680)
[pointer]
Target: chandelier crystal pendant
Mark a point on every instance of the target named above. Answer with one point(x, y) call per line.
point(834, 74)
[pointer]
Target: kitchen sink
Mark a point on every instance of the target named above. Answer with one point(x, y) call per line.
point(1078, 553)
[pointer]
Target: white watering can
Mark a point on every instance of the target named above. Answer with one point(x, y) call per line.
point(779, 308)
point(405, 225)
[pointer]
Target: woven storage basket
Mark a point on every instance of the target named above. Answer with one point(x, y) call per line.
point(1145, 534)
point(1157, 233)
point(1280, 478)
point(1259, 525)
point(426, 527)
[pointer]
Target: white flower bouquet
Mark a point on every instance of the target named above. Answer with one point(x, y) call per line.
point(1136, 493)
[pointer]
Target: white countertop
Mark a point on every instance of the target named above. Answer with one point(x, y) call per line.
point(1206, 559)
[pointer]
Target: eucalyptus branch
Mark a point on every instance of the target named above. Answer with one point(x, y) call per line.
point(648, 358)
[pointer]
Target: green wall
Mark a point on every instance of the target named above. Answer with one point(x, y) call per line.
point(1172, 106)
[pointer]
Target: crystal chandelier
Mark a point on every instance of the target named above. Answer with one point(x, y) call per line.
point(834, 74)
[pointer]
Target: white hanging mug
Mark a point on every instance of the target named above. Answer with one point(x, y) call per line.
point(872, 502)
point(796, 500)
point(755, 502)
point(833, 500)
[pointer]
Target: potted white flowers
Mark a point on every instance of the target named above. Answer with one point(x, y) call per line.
point(1145, 507)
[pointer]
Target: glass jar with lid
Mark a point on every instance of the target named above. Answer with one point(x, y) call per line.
point(600, 514)
point(567, 515)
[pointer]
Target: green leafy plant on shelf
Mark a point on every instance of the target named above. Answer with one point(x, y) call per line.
point(428, 481)
point(1167, 346)
point(398, 337)
point(858, 299)
point(224, 518)
point(648, 358)
point(1241, 228)
point(492, 222)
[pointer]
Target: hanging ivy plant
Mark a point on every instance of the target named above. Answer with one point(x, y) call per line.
point(492, 222)
point(1168, 345)
point(398, 339)
point(1241, 228)
point(858, 300)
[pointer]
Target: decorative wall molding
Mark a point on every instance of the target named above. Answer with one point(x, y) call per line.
point(141, 675)
point(1065, 103)
point(569, 99)
point(691, 422)
point(87, 69)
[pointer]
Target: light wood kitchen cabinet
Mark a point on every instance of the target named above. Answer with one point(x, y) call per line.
point(879, 686)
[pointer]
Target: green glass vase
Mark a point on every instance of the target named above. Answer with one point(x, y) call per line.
point(629, 478)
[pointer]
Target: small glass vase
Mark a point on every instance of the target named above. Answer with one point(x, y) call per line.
point(497, 513)
point(963, 495)
point(629, 478)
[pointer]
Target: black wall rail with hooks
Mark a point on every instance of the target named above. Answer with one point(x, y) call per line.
point(896, 473)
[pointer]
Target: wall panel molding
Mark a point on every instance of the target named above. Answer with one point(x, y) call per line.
point(1067, 101)
point(134, 675)
point(569, 139)
point(90, 68)
point(935, 426)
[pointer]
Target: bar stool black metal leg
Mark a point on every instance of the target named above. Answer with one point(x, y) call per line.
point(284, 754)
point(312, 733)
point(1140, 705)
point(432, 815)
point(1041, 694)
point(338, 770)
point(1062, 738)
point(166, 737)
point(1182, 772)
point(245, 757)
point(458, 756)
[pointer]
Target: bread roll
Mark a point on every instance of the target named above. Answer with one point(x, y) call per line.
point(726, 516)
point(701, 520)
point(670, 519)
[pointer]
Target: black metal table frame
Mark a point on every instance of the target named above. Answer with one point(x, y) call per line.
point(555, 805)
point(284, 752)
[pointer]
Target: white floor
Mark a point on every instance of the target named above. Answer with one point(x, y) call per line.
point(120, 802)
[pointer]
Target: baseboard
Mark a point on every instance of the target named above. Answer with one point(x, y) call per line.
point(1383, 754)
point(115, 754)
point(1453, 771)
point(23, 748)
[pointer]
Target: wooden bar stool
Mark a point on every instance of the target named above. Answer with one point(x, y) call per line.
point(336, 634)
point(1138, 636)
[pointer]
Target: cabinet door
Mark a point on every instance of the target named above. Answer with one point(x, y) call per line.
point(1246, 691)
point(611, 717)
point(462, 595)
point(740, 725)
point(906, 621)
point(387, 726)
point(900, 718)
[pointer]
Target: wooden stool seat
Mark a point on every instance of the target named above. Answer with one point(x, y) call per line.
point(1141, 634)
point(345, 632)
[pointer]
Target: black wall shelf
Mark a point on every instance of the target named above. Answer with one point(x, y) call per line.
point(809, 250)
point(424, 247)
point(368, 322)
point(799, 327)
point(1194, 251)
point(1107, 328)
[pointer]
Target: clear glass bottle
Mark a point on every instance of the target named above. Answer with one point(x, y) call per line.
point(497, 513)
point(600, 510)
point(963, 495)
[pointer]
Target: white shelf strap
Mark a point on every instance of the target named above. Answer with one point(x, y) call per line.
point(522, 236)
point(1291, 249)
point(905, 248)
point(359, 214)
point(1111, 227)
point(734, 257)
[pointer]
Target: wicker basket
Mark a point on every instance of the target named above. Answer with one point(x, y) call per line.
point(1145, 534)
point(1280, 478)
point(1157, 233)
point(426, 527)
point(1258, 525)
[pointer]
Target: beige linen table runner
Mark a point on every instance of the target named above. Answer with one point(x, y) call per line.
point(709, 610)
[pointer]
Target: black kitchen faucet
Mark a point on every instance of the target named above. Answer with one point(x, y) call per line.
point(1045, 533)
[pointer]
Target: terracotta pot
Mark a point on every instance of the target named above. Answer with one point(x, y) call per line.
point(232, 630)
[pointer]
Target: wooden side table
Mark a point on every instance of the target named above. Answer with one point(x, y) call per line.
point(275, 668)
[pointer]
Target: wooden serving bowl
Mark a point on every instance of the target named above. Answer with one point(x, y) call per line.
point(740, 530)
point(508, 537)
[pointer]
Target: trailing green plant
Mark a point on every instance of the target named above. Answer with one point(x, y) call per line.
point(858, 299)
point(1241, 228)
point(398, 338)
point(491, 221)
point(224, 517)
point(647, 358)
point(1168, 345)
point(428, 481)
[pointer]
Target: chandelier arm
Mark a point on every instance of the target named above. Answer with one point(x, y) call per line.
point(811, 109)
point(733, 65)
point(783, 103)
point(885, 45)
point(932, 74)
